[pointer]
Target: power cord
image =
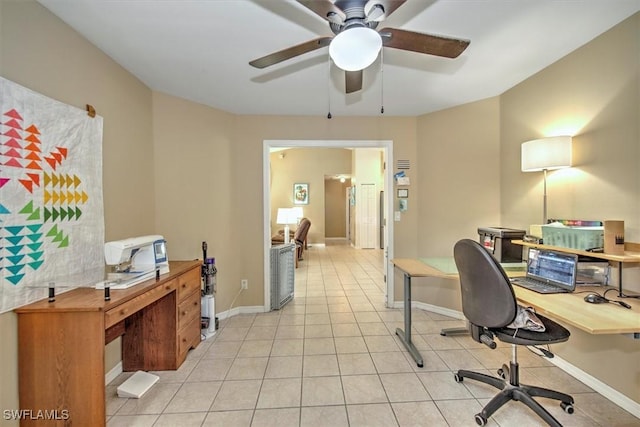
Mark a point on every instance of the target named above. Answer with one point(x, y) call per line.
point(234, 300)
point(621, 295)
point(604, 296)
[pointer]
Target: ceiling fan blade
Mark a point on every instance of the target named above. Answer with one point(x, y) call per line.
point(325, 9)
point(290, 52)
point(423, 43)
point(388, 6)
point(353, 81)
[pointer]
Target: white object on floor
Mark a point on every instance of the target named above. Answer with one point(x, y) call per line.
point(137, 385)
point(208, 309)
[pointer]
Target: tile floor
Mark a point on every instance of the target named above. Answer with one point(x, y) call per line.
point(330, 358)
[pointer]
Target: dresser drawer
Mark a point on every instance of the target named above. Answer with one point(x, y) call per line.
point(126, 309)
point(188, 283)
point(188, 337)
point(189, 309)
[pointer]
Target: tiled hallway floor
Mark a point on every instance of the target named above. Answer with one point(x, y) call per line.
point(330, 358)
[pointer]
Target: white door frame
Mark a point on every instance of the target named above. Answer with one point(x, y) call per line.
point(387, 145)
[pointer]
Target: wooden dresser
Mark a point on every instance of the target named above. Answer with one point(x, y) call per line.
point(61, 345)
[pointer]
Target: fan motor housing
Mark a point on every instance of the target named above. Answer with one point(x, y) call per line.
point(355, 16)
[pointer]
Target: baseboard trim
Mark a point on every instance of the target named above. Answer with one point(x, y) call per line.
point(605, 390)
point(250, 309)
point(113, 373)
point(438, 310)
point(432, 308)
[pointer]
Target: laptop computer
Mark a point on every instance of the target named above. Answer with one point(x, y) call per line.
point(549, 272)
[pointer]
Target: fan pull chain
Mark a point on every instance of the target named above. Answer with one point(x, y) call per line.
point(329, 89)
point(382, 81)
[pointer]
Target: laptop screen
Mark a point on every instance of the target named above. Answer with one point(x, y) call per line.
point(552, 267)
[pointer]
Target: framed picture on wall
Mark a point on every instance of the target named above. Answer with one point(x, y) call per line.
point(300, 194)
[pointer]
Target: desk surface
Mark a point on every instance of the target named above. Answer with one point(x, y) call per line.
point(92, 299)
point(569, 309)
point(631, 253)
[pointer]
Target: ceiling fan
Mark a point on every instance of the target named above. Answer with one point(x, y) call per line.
point(354, 23)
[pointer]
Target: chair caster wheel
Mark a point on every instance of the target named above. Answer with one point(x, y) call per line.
point(503, 372)
point(480, 420)
point(458, 378)
point(568, 407)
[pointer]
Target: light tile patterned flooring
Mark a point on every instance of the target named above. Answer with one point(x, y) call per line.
point(330, 358)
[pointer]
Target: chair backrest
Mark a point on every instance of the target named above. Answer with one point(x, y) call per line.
point(488, 299)
point(302, 230)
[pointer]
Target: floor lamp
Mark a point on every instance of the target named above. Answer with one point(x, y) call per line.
point(543, 155)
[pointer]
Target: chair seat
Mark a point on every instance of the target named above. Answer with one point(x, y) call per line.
point(554, 333)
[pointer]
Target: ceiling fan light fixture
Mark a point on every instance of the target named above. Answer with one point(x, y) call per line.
point(354, 49)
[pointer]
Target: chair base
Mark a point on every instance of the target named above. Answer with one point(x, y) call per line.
point(511, 389)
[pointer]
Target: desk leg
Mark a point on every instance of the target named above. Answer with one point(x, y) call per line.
point(449, 332)
point(405, 336)
point(620, 294)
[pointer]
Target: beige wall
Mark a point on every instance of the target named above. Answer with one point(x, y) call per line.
point(250, 133)
point(458, 163)
point(457, 167)
point(594, 94)
point(203, 181)
point(228, 197)
point(40, 52)
point(306, 165)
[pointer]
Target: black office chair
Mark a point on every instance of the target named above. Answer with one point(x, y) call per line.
point(489, 303)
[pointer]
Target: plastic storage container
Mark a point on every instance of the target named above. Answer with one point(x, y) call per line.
point(582, 238)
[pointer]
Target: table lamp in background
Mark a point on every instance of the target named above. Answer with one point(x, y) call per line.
point(286, 217)
point(298, 213)
point(543, 155)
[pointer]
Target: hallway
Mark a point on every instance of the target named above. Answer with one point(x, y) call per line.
point(330, 357)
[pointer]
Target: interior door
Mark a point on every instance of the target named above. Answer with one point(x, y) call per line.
point(381, 220)
point(368, 217)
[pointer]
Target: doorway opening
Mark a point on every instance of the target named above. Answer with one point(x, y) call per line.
point(386, 232)
point(337, 208)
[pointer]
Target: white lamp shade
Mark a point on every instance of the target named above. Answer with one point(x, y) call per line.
point(355, 48)
point(286, 216)
point(297, 211)
point(546, 153)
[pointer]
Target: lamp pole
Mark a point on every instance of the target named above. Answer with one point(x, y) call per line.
point(544, 198)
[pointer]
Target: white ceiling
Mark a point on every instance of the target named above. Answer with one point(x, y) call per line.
point(199, 50)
